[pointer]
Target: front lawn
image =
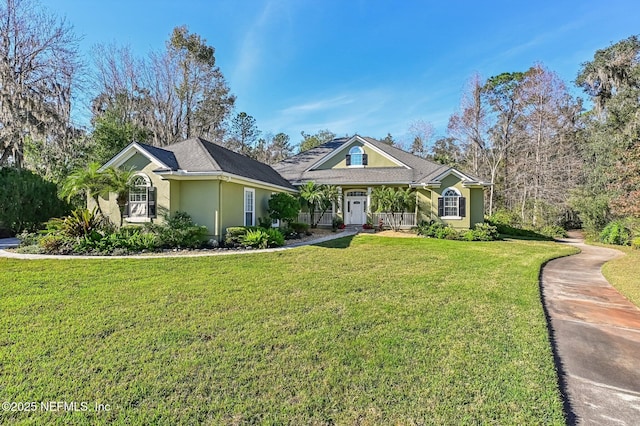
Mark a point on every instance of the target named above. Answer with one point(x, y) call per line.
point(371, 330)
point(623, 273)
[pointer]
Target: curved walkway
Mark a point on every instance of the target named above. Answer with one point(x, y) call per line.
point(595, 332)
point(14, 255)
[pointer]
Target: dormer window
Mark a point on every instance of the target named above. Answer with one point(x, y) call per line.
point(356, 157)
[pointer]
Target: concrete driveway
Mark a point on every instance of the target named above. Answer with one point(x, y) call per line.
point(595, 332)
point(6, 243)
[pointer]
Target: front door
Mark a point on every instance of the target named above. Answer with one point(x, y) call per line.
point(356, 210)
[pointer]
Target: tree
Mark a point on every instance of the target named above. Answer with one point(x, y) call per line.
point(27, 200)
point(388, 139)
point(118, 181)
point(422, 132)
point(446, 151)
point(174, 95)
point(311, 141)
point(37, 74)
point(485, 125)
point(319, 198)
point(283, 206)
point(392, 200)
point(87, 182)
point(612, 130)
point(244, 134)
point(114, 130)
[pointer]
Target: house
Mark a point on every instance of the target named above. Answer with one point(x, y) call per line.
point(217, 187)
point(357, 165)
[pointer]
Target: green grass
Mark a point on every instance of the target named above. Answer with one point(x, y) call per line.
point(366, 331)
point(623, 273)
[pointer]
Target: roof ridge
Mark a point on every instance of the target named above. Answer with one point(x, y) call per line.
point(212, 160)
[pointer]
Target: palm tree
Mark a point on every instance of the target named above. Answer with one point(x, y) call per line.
point(119, 181)
point(312, 194)
point(89, 182)
point(390, 200)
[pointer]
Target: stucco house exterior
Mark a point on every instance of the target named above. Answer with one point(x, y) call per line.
point(217, 187)
point(357, 165)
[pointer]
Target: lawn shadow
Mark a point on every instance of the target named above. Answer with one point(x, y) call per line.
point(338, 243)
point(569, 413)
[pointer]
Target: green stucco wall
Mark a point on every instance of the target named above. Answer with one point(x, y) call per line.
point(374, 159)
point(199, 198)
point(475, 203)
point(139, 163)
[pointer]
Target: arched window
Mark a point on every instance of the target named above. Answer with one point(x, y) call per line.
point(451, 204)
point(142, 203)
point(356, 157)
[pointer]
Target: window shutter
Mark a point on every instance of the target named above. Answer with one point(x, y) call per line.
point(365, 159)
point(125, 213)
point(462, 207)
point(440, 206)
point(151, 200)
point(348, 159)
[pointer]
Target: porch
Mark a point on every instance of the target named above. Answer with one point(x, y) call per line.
point(405, 220)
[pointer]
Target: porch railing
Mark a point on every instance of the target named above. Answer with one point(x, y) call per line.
point(404, 220)
point(325, 220)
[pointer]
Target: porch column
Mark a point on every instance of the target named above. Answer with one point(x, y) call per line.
point(339, 200)
point(368, 200)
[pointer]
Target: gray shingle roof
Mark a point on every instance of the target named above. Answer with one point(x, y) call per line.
point(299, 167)
point(199, 155)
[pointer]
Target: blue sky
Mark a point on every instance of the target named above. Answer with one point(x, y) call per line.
point(367, 67)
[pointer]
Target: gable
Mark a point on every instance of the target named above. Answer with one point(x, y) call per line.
point(136, 162)
point(339, 158)
point(376, 158)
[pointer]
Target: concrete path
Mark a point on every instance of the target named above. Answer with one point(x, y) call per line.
point(6, 243)
point(13, 255)
point(595, 332)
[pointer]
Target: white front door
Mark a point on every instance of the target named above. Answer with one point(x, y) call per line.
point(356, 210)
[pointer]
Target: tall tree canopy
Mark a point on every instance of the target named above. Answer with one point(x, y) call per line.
point(520, 130)
point(312, 140)
point(172, 95)
point(612, 134)
point(38, 68)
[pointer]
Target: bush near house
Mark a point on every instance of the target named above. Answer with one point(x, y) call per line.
point(481, 232)
point(253, 237)
point(27, 201)
point(87, 232)
point(510, 223)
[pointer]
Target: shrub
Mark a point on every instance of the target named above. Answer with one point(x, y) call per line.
point(554, 231)
point(81, 222)
point(265, 222)
point(481, 232)
point(337, 223)
point(29, 238)
point(616, 233)
point(180, 231)
point(257, 238)
point(234, 236)
point(283, 206)
point(435, 229)
point(299, 227)
point(57, 244)
point(27, 200)
point(275, 238)
point(635, 243)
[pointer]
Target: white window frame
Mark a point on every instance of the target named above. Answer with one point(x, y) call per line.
point(250, 209)
point(356, 152)
point(451, 202)
point(138, 196)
